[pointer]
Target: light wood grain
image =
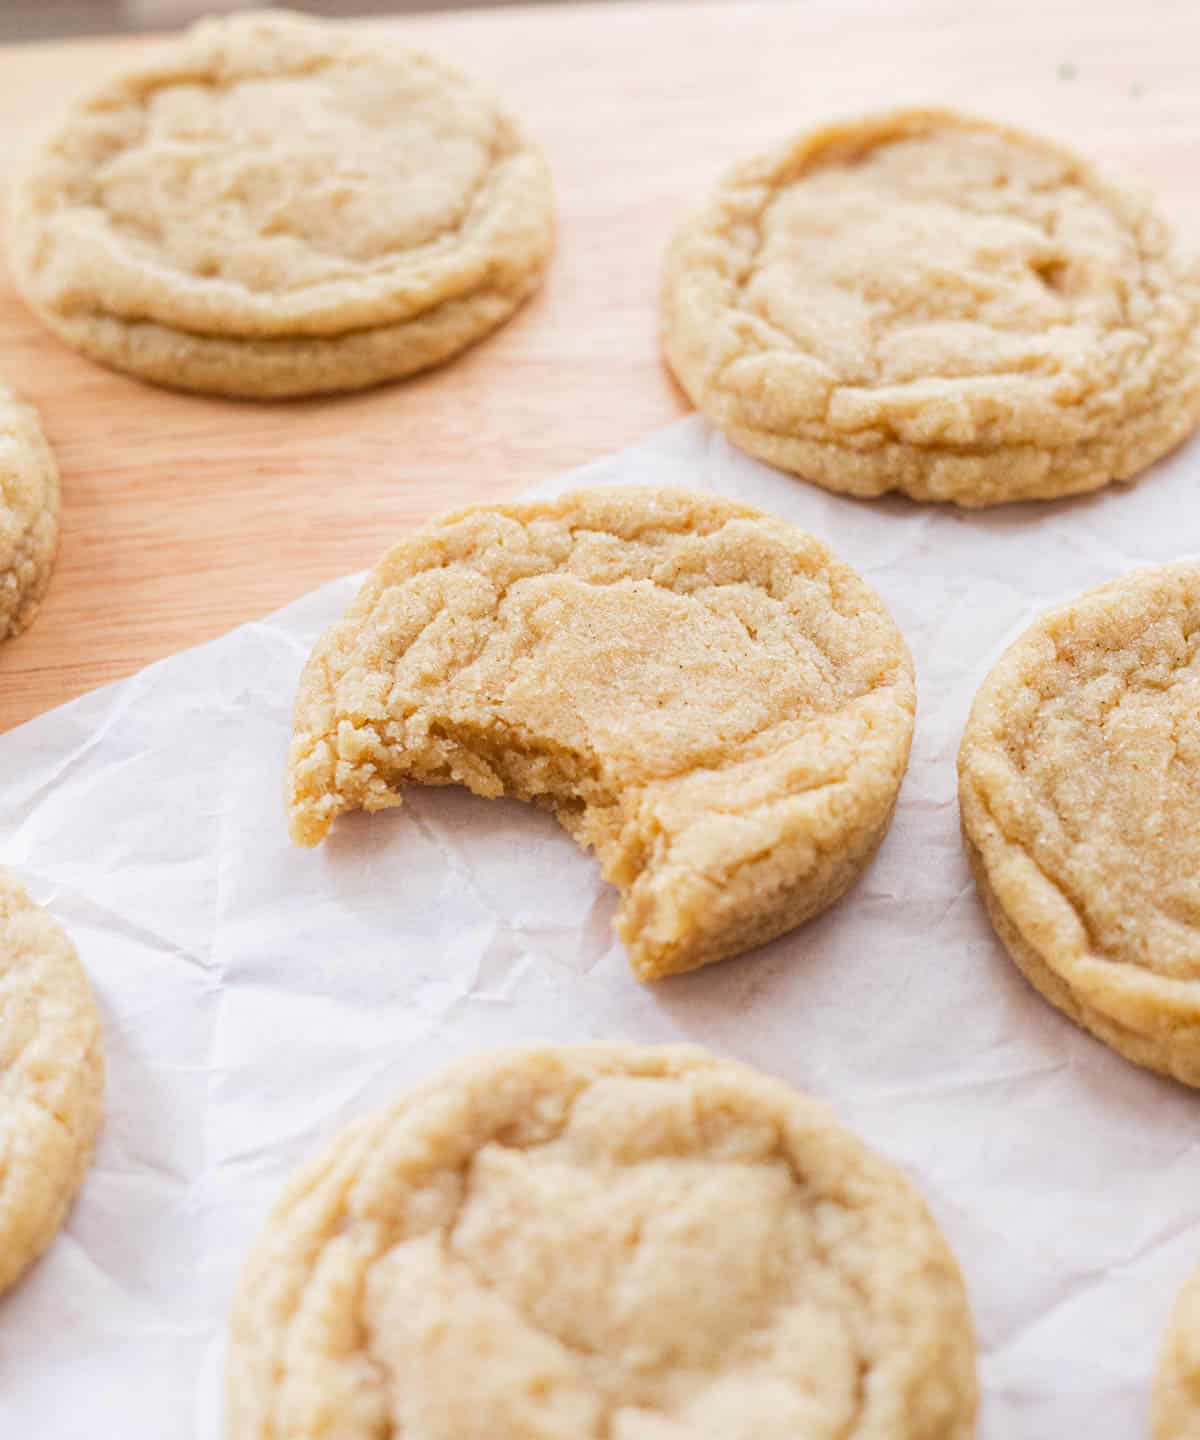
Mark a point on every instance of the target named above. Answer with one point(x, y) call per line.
point(184, 516)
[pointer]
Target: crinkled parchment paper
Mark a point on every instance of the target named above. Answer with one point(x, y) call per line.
point(257, 997)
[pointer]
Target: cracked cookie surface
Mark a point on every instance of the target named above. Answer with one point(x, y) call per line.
point(700, 692)
point(51, 1079)
point(278, 206)
point(1079, 788)
point(29, 498)
point(933, 304)
point(601, 1241)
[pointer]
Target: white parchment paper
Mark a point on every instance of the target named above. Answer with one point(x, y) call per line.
point(257, 997)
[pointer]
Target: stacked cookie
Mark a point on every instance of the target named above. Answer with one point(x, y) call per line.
point(278, 207)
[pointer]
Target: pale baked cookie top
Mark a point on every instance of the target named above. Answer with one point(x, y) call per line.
point(270, 176)
point(601, 1241)
point(702, 692)
point(29, 495)
point(51, 1078)
point(929, 303)
point(1080, 794)
point(1176, 1406)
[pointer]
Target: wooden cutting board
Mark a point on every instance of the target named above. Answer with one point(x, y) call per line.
point(184, 516)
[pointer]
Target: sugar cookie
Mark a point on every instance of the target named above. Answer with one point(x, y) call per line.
point(1079, 787)
point(929, 303)
point(596, 1241)
point(51, 1079)
point(698, 691)
point(278, 206)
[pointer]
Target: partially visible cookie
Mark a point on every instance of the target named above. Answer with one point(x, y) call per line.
point(1176, 1404)
point(700, 692)
point(278, 206)
point(601, 1241)
point(928, 303)
point(51, 1079)
point(28, 514)
point(1079, 788)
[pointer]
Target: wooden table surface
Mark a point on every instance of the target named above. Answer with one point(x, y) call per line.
point(183, 516)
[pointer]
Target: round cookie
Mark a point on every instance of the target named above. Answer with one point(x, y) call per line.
point(601, 1240)
point(1079, 789)
point(51, 1079)
point(277, 207)
point(28, 514)
point(933, 304)
point(700, 692)
point(1176, 1402)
